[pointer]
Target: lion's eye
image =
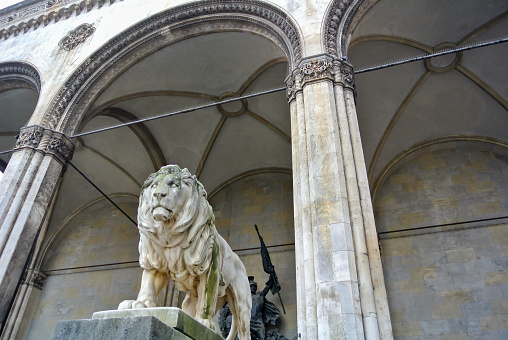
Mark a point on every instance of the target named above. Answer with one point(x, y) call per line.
point(172, 184)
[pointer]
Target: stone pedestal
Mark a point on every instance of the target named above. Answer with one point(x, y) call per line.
point(140, 324)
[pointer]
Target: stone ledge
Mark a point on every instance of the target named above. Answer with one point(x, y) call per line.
point(130, 328)
point(171, 316)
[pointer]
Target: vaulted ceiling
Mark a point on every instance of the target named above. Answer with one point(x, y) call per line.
point(398, 107)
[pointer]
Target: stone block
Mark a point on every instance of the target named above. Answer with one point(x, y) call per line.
point(461, 255)
point(424, 272)
point(449, 311)
point(451, 269)
point(412, 286)
point(471, 309)
point(457, 296)
point(439, 284)
point(397, 247)
point(492, 293)
point(434, 327)
point(406, 329)
point(469, 281)
point(499, 234)
point(130, 328)
point(170, 316)
point(470, 325)
point(500, 307)
point(417, 314)
point(496, 279)
point(427, 299)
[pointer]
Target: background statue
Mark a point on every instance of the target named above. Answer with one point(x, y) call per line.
point(178, 240)
point(263, 313)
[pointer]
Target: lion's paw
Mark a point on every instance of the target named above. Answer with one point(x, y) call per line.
point(133, 304)
point(207, 323)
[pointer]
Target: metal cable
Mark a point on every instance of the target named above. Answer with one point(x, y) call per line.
point(282, 88)
point(432, 55)
point(103, 194)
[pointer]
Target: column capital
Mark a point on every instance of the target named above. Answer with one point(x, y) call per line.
point(35, 278)
point(317, 68)
point(46, 141)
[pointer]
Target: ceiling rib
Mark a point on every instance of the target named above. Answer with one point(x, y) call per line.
point(394, 119)
point(270, 125)
point(392, 38)
point(258, 72)
point(209, 146)
point(474, 78)
point(112, 162)
point(143, 133)
point(481, 28)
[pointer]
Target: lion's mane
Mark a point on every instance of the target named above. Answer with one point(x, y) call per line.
point(184, 243)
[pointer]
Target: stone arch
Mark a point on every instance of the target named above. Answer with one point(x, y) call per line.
point(19, 75)
point(161, 30)
point(341, 18)
point(14, 76)
point(423, 146)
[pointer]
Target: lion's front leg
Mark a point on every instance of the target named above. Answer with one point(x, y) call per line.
point(152, 282)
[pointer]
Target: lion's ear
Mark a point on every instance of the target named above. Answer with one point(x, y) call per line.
point(148, 181)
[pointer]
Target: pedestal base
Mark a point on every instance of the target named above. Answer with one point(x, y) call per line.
point(139, 324)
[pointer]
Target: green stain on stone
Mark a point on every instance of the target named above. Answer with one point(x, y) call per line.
point(211, 283)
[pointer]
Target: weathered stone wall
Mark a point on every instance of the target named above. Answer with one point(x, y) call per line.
point(446, 283)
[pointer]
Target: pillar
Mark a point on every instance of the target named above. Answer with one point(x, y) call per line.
point(28, 187)
point(340, 286)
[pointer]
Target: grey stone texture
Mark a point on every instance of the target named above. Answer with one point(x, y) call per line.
point(131, 328)
point(445, 283)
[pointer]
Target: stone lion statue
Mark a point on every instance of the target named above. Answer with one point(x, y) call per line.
point(178, 240)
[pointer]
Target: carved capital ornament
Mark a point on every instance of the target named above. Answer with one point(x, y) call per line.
point(319, 68)
point(47, 141)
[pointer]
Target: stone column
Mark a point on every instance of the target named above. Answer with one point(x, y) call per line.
point(29, 181)
point(333, 254)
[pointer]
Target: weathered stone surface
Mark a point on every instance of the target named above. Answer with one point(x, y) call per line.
point(130, 328)
point(170, 316)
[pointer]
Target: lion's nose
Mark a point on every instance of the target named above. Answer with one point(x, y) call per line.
point(159, 194)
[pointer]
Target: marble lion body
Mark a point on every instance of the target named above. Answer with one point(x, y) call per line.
point(178, 240)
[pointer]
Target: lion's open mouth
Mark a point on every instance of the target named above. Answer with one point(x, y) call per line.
point(161, 214)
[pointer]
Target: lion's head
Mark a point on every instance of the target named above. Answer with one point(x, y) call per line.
point(171, 201)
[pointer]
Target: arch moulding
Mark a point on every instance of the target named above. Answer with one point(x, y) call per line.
point(72, 101)
point(341, 19)
point(19, 75)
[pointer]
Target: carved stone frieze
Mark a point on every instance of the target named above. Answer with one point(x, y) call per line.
point(36, 278)
point(258, 16)
point(43, 12)
point(46, 141)
point(76, 36)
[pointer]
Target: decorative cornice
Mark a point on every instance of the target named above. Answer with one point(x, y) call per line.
point(44, 13)
point(36, 278)
point(47, 141)
point(317, 68)
point(76, 36)
point(16, 71)
point(269, 20)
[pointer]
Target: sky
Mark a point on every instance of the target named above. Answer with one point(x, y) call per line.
point(7, 3)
